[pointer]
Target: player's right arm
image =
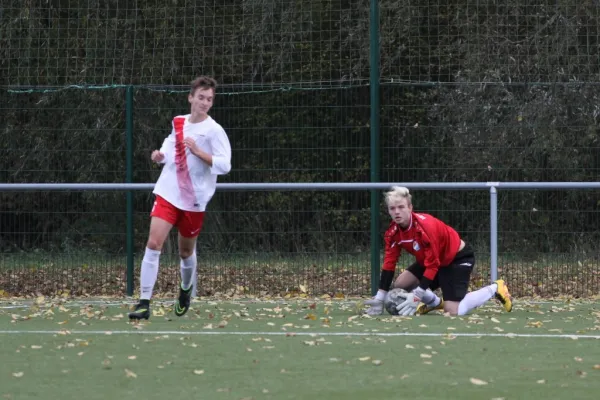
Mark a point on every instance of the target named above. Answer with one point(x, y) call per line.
point(392, 254)
point(167, 150)
point(390, 259)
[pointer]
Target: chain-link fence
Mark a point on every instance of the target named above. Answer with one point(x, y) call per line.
point(469, 91)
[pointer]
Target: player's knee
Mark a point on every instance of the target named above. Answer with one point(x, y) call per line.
point(451, 307)
point(186, 253)
point(154, 244)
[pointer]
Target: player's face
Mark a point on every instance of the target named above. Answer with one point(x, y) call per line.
point(400, 210)
point(201, 101)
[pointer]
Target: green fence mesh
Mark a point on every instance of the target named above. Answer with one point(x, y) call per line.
point(470, 91)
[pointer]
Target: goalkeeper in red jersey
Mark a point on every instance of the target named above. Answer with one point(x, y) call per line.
point(443, 260)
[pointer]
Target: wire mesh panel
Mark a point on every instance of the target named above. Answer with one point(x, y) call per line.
point(63, 136)
point(67, 42)
point(501, 91)
point(62, 243)
point(549, 242)
point(470, 91)
point(292, 97)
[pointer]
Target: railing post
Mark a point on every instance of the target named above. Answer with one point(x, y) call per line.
point(493, 233)
point(375, 156)
point(129, 179)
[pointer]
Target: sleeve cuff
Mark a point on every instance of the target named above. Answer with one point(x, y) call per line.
point(425, 283)
point(386, 279)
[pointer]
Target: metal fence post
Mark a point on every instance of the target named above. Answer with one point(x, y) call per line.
point(493, 233)
point(375, 157)
point(129, 179)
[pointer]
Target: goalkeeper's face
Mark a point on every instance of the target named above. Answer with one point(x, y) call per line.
point(201, 101)
point(400, 210)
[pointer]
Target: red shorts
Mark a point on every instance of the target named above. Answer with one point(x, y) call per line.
point(189, 223)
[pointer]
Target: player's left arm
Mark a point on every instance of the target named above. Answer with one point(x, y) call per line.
point(221, 157)
point(421, 292)
point(431, 264)
point(220, 161)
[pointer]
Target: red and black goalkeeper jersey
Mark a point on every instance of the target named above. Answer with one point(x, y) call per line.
point(433, 243)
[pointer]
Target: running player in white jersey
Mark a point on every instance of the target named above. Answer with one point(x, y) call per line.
point(196, 151)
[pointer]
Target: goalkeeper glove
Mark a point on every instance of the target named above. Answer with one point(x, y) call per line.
point(409, 306)
point(375, 307)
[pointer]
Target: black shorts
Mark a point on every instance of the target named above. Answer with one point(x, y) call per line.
point(452, 279)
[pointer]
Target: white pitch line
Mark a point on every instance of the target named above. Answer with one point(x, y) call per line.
point(313, 334)
point(75, 303)
point(79, 304)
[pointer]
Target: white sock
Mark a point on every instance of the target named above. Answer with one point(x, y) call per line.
point(476, 299)
point(427, 297)
point(435, 302)
point(188, 270)
point(149, 273)
point(431, 299)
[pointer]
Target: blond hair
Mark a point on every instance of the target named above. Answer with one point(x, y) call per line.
point(397, 193)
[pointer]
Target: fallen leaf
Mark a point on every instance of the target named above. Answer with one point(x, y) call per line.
point(130, 374)
point(476, 381)
point(158, 313)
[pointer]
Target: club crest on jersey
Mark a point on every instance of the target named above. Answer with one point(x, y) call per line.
point(416, 246)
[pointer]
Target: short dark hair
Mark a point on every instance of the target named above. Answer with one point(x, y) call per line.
point(203, 82)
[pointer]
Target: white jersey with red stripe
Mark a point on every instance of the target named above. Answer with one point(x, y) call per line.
point(186, 181)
